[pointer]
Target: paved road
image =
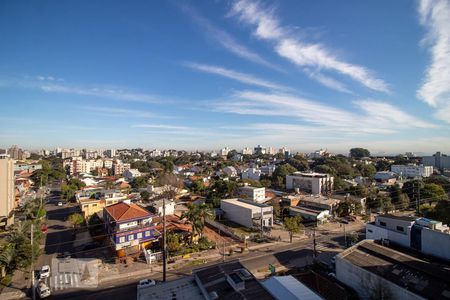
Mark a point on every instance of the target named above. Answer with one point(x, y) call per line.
point(299, 253)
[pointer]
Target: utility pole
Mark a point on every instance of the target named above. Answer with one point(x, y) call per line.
point(32, 262)
point(262, 230)
point(164, 240)
point(418, 198)
point(314, 243)
point(345, 236)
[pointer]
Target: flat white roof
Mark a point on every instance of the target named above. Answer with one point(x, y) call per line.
point(289, 288)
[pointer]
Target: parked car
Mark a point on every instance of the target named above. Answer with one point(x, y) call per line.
point(45, 272)
point(60, 203)
point(278, 222)
point(42, 290)
point(146, 283)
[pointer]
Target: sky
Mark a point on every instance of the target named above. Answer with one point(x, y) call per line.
point(202, 75)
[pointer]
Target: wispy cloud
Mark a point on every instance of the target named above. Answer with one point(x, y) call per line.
point(238, 76)
point(301, 53)
point(50, 84)
point(225, 39)
point(374, 117)
point(435, 90)
point(160, 126)
point(328, 81)
point(120, 112)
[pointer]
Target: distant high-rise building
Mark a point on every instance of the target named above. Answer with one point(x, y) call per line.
point(7, 190)
point(247, 151)
point(258, 150)
point(224, 151)
point(15, 153)
point(438, 160)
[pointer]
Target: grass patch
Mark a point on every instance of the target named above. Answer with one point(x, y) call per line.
point(195, 262)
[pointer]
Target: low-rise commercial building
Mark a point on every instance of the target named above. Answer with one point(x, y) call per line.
point(427, 236)
point(310, 214)
point(375, 271)
point(311, 183)
point(251, 173)
point(412, 171)
point(253, 193)
point(247, 213)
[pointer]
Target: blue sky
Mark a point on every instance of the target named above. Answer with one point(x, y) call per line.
point(203, 75)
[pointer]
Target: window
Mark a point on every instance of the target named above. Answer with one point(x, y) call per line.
point(139, 235)
point(370, 230)
point(94, 205)
point(400, 228)
point(122, 239)
point(131, 237)
point(147, 233)
point(85, 206)
point(382, 224)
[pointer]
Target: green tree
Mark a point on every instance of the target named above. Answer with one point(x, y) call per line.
point(145, 196)
point(292, 225)
point(196, 215)
point(279, 175)
point(359, 153)
point(173, 242)
point(384, 203)
point(383, 165)
point(433, 192)
point(76, 219)
point(368, 170)
point(299, 164)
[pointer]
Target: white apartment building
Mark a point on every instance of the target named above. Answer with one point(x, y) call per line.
point(224, 151)
point(253, 193)
point(247, 213)
point(318, 153)
point(119, 167)
point(68, 153)
point(267, 170)
point(258, 150)
point(311, 183)
point(271, 151)
point(7, 190)
point(252, 174)
point(108, 163)
point(412, 171)
point(155, 153)
point(247, 151)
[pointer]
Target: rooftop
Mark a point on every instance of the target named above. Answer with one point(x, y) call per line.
point(214, 280)
point(289, 288)
point(246, 203)
point(311, 174)
point(402, 218)
point(427, 279)
point(183, 288)
point(123, 211)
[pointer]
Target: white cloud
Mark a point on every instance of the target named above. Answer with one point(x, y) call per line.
point(120, 112)
point(329, 82)
point(159, 126)
point(374, 117)
point(298, 52)
point(435, 90)
point(238, 76)
point(226, 40)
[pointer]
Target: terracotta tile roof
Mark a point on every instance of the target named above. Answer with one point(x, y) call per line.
point(123, 211)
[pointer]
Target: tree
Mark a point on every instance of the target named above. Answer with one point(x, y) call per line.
point(76, 219)
point(7, 257)
point(359, 153)
point(293, 225)
point(276, 207)
point(279, 175)
point(299, 164)
point(173, 242)
point(383, 165)
point(433, 192)
point(196, 215)
point(367, 170)
point(384, 203)
point(145, 196)
point(139, 182)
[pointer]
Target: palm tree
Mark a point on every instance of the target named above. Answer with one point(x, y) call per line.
point(7, 256)
point(196, 215)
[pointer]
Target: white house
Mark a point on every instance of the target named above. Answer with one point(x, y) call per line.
point(312, 183)
point(130, 174)
point(253, 193)
point(157, 207)
point(412, 171)
point(252, 174)
point(230, 171)
point(247, 213)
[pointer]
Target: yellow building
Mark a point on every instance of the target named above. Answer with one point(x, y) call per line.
point(7, 190)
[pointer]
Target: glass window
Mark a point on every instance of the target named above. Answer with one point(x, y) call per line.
point(94, 205)
point(122, 239)
point(131, 237)
point(147, 233)
point(139, 235)
point(382, 223)
point(400, 228)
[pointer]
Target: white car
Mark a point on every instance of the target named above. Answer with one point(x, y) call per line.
point(42, 290)
point(146, 283)
point(45, 272)
point(59, 203)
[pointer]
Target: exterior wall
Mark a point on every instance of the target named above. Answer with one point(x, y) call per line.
point(254, 194)
point(436, 243)
point(412, 170)
point(438, 161)
point(89, 209)
point(365, 282)
point(378, 232)
point(237, 214)
point(134, 237)
point(313, 185)
point(7, 189)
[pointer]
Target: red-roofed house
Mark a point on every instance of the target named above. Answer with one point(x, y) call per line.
point(130, 226)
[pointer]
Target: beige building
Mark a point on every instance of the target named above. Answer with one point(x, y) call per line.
point(7, 190)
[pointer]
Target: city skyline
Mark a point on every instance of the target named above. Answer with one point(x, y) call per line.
point(239, 73)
